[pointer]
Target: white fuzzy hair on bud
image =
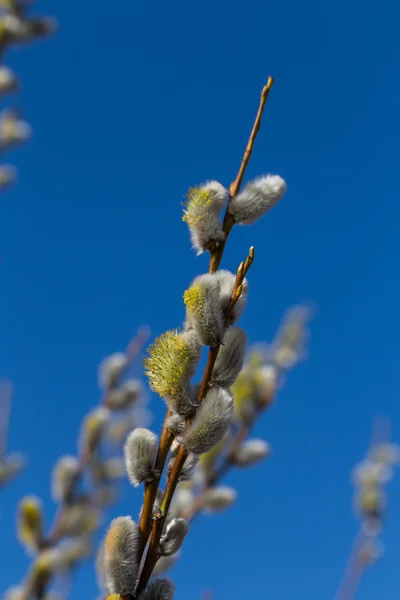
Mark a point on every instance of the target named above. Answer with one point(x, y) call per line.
point(13, 130)
point(173, 537)
point(251, 452)
point(111, 369)
point(182, 499)
point(204, 309)
point(176, 424)
point(158, 589)
point(218, 498)
point(140, 452)
point(211, 421)
point(119, 556)
point(227, 281)
point(123, 397)
point(8, 175)
point(187, 469)
point(230, 357)
point(257, 198)
point(64, 477)
point(202, 214)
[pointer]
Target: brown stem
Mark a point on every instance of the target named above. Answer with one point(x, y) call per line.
point(353, 573)
point(150, 491)
point(234, 188)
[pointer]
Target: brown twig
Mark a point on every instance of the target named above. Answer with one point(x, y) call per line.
point(234, 188)
point(215, 259)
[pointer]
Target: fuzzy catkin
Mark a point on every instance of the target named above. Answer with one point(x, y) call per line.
point(171, 363)
point(187, 469)
point(218, 498)
point(211, 421)
point(204, 309)
point(251, 452)
point(230, 357)
point(140, 451)
point(202, 214)
point(172, 540)
point(65, 475)
point(257, 198)
point(119, 559)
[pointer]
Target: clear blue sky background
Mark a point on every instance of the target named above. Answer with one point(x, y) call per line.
point(131, 104)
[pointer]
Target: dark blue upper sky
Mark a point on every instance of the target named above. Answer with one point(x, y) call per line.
point(131, 104)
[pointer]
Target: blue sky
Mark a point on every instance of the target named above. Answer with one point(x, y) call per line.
point(131, 104)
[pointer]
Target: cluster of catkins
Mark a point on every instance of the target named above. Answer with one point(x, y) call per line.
point(83, 485)
point(369, 478)
point(11, 463)
point(254, 391)
point(16, 28)
point(214, 303)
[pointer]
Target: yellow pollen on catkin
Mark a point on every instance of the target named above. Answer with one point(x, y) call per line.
point(167, 363)
point(197, 199)
point(195, 298)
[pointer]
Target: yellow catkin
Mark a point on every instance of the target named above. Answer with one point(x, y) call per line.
point(197, 199)
point(167, 363)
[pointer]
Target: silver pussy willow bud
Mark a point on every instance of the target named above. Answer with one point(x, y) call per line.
point(187, 469)
point(176, 424)
point(289, 346)
point(204, 310)
point(202, 214)
point(92, 430)
point(8, 81)
point(10, 466)
point(386, 454)
point(65, 475)
point(140, 452)
point(20, 31)
point(123, 397)
point(158, 589)
point(230, 357)
point(182, 499)
point(173, 537)
point(111, 370)
point(251, 452)
point(171, 363)
point(257, 198)
point(211, 421)
point(227, 281)
point(218, 498)
point(119, 557)
point(16, 592)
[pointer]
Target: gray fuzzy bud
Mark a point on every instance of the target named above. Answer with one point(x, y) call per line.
point(187, 469)
point(257, 198)
point(123, 397)
point(230, 357)
point(204, 310)
point(227, 281)
point(140, 452)
point(176, 424)
point(202, 214)
point(219, 498)
point(111, 369)
point(92, 429)
point(173, 537)
point(65, 475)
point(251, 452)
point(158, 589)
point(211, 421)
point(119, 557)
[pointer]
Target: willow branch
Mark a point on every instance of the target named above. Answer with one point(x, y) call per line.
point(234, 188)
